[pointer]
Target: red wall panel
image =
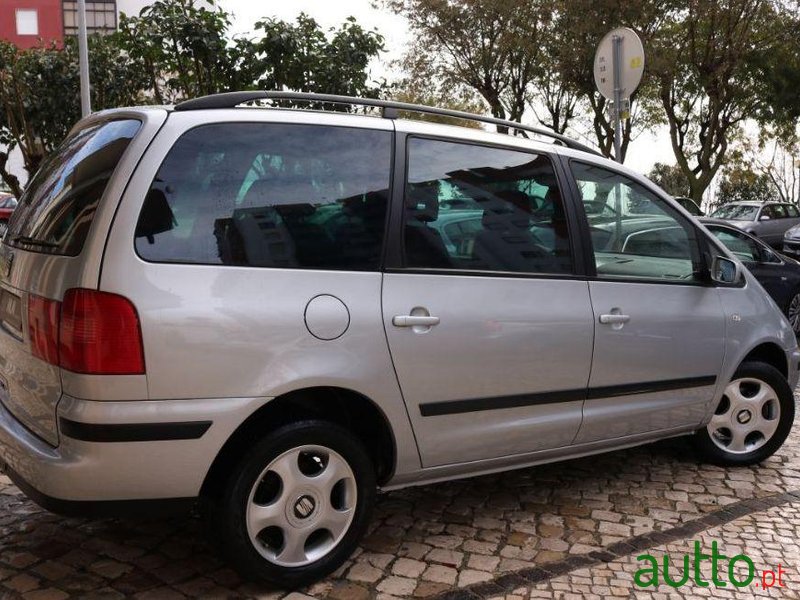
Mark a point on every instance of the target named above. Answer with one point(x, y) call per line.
point(50, 17)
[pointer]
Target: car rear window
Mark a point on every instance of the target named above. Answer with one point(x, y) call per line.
point(57, 207)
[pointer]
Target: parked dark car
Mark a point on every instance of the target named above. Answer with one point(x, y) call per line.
point(778, 274)
point(690, 205)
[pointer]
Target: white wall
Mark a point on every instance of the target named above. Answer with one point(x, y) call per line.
point(131, 7)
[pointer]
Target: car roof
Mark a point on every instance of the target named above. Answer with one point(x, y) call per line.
point(225, 107)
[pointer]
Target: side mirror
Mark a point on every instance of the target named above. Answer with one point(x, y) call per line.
point(764, 218)
point(726, 271)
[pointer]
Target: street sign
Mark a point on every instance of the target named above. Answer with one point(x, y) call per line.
point(618, 68)
point(631, 63)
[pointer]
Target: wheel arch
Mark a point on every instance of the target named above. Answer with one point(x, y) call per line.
point(771, 354)
point(345, 407)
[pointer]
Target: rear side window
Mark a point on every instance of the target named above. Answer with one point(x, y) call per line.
point(481, 208)
point(270, 195)
point(57, 207)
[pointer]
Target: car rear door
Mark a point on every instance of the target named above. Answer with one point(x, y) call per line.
point(659, 328)
point(48, 248)
point(489, 327)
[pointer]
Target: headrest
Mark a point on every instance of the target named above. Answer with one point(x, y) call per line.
point(422, 203)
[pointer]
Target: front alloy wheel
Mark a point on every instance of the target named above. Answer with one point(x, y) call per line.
point(747, 416)
point(752, 419)
point(297, 505)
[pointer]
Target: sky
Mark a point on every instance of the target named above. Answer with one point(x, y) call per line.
point(643, 152)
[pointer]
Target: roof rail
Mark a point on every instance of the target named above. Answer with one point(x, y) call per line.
point(390, 110)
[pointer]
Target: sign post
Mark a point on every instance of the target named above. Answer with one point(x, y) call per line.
point(618, 68)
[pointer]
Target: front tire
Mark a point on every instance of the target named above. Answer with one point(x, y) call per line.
point(297, 504)
point(751, 421)
point(793, 311)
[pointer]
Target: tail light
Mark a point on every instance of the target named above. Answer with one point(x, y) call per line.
point(43, 317)
point(96, 333)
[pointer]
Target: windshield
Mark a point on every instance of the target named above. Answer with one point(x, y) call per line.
point(690, 206)
point(736, 212)
point(57, 207)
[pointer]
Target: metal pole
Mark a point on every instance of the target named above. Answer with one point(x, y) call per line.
point(616, 44)
point(83, 55)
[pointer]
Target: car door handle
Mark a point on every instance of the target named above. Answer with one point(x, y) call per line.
point(614, 319)
point(414, 321)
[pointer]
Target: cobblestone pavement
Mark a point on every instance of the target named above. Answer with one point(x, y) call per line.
point(566, 530)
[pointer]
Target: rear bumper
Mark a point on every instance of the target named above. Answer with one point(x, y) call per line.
point(116, 452)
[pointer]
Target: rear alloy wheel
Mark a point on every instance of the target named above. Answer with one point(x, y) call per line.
point(298, 504)
point(793, 312)
point(752, 420)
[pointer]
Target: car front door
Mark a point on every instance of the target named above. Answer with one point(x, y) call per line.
point(659, 328)
point(489, 327)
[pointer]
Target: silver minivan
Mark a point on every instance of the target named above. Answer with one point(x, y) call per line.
point(280, 311)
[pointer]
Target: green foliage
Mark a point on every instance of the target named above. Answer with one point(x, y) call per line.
point(670, 178)
point(171, 51)
point(741, 183)
point(300, 56)
point(493, 47)
point(579, 26)
point(185, 50)
point(704, 64)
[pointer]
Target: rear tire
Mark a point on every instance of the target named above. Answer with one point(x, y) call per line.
point(751, 421)
point(297, 504)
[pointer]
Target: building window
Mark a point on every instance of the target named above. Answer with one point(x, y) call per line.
point(101, 16)
point(27, 22)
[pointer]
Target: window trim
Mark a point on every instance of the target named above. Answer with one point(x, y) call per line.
point(700, 239)
point(387, 218)
point(395, 257)
point(35, 12)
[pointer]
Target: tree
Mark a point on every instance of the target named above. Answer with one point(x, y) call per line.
point(670, 178)
point(740, 183)
point(182, 46)
point(174, 49)
point(780, 165)
point(493, 47)
point(588, 21)
point(35, 111)
point(704, 59)
point(301, 56)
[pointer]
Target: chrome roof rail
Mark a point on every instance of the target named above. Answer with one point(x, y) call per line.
point(389, 108)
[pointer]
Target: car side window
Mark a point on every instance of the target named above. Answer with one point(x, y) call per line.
point(767, 211)
point(791, 211)
point(646, 238)
point(740, 245)
point(780, 211)
point(270, 195)
point(482, 208)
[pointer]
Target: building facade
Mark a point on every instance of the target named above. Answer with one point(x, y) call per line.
point(29, 23)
